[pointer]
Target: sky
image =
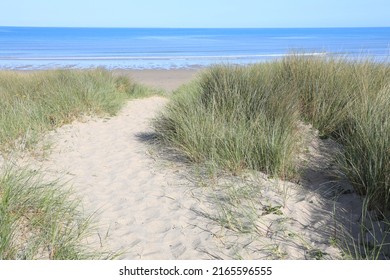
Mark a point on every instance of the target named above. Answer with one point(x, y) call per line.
point(195, 13)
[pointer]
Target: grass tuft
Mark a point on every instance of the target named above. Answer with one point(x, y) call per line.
point(40, 220)
point(228, 116)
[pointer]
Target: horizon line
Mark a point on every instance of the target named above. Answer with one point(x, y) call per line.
point(151, 27)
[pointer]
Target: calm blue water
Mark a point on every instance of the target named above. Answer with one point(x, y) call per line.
point(45, 48)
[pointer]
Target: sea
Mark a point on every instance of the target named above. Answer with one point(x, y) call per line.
point(30, 48)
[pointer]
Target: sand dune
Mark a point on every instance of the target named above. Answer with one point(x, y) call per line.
point(148, 206)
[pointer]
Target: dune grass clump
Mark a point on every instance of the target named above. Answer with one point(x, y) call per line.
point(349, 101)
point(246, 117)
point(32, 103)
point(324, 89)
point(39, 220)
point(366, 157)
point(328, 89)
point(237, 117)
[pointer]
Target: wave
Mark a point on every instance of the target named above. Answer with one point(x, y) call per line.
point(218, 57)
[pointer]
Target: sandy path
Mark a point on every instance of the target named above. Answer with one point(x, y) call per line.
point(145, 208)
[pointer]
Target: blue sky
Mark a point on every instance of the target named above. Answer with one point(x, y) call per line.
point(195, 13)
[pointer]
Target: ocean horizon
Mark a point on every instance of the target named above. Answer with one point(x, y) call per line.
point(31, 48)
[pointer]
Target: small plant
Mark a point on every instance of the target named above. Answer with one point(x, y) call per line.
point(268, 209)
point(316, 254)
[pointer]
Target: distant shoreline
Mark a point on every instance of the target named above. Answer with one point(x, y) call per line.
point(166, 79)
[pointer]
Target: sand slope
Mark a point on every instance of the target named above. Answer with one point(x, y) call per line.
point(149, 204)
point(151, 207)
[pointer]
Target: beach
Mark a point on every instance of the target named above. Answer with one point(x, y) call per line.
point(160, 78)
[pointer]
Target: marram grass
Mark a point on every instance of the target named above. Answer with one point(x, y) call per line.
point(35, 102)
point(39, 220)
point(247, 117)
point(228, 117)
